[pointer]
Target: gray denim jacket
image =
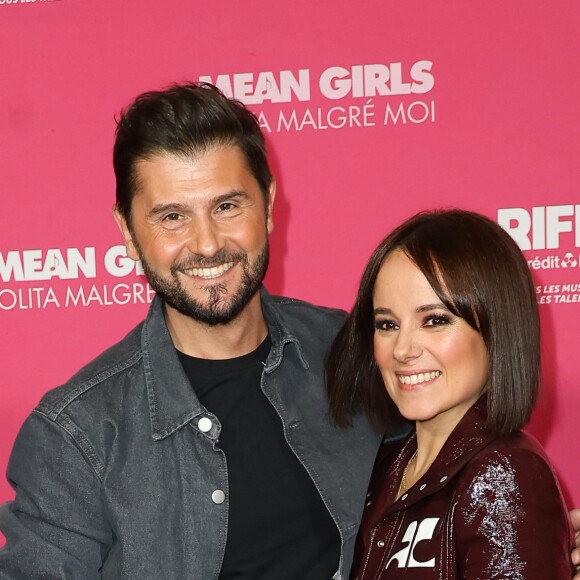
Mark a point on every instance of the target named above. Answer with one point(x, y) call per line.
point(115, 478)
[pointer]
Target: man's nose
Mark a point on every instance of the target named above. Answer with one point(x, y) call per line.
point(204, 237)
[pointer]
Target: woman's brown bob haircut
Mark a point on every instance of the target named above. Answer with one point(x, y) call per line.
point(480, 274)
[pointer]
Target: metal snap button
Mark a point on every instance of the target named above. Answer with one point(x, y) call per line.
point(204, 424)
point(218, 496)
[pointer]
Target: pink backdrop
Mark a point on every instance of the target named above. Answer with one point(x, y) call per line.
point(373, 110)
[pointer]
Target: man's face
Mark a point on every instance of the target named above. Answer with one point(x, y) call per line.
point(200, 228)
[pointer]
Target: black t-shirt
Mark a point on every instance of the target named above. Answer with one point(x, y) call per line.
point(278, 526)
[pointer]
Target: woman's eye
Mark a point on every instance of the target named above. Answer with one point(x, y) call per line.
point(385, 325)
point(437, 320)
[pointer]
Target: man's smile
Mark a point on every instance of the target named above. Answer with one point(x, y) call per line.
point(209, 273)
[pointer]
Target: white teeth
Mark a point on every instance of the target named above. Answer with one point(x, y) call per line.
point(418, 378)
point(209, 273)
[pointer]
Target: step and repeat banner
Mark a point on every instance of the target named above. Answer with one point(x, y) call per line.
point(372, 111)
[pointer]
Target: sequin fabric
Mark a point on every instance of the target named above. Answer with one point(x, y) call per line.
point(495, 501)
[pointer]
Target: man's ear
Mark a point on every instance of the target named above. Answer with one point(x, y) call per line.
point(127, 235)
point(271, 197)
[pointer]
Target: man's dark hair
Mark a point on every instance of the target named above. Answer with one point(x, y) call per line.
point(184, 120)
point(479, 273)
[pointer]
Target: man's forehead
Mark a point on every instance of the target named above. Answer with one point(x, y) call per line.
point(229, 152)
point(167, 178)
point(215, 164)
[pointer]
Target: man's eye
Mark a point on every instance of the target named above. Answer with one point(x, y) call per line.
point(385, 325)
point(437, 320)
point(171, 217)
point(226, 206)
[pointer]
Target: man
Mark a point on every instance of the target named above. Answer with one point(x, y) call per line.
point(199, 446)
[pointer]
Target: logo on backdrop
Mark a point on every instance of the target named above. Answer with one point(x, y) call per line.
point(549, 236)
point(38, 279)
point(365, 95)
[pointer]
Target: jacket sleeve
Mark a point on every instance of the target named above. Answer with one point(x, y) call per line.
point(511, 520)
point(56, 527)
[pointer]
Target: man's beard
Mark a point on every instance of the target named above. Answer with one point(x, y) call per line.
point(214, 310)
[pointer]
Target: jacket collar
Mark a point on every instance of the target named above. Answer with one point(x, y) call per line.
point(280, 333)
point(466, 440)
point(172, 400)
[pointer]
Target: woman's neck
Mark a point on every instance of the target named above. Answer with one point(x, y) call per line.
point(431, 436)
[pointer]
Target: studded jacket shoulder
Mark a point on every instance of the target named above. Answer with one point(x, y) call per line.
point(488, 507)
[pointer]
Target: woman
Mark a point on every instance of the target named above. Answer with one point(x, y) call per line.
point(445, 333)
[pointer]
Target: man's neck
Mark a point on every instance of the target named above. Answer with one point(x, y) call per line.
point(222, 341)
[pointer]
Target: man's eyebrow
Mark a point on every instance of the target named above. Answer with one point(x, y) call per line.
point(233, 194)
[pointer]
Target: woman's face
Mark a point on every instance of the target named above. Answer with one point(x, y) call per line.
point(434, 365)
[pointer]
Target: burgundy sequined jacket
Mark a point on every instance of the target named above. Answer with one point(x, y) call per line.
point(488, 507)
